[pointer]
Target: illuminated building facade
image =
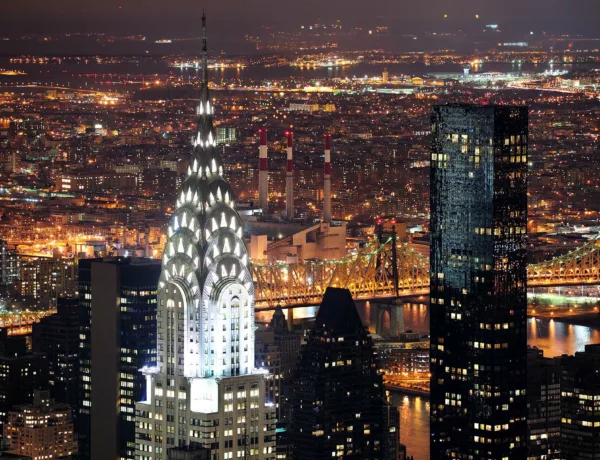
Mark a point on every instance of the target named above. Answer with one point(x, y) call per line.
point(42, 430)
point(47, 278)
point(226, 134)
point(85, 181)
point(10, 270)
point(117, 318)
point(478, 282)
point(204, 387)
point(337, 398)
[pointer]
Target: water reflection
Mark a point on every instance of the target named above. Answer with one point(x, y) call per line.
point(414, 424)
point(557, 338)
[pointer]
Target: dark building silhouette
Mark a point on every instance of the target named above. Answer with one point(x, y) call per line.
point(580, 405)
point(543, 406)
point(117, 308)
point(338, 399)
point(21, 373)
point(391, 447)
point(57, 336)
point(478, 282)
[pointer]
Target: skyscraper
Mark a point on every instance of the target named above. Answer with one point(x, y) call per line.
point(478, 282)
point(117, 307)
point(205, 387)
point(57, 336)
point(580, 398)
point(543, 406)
point(337, 396)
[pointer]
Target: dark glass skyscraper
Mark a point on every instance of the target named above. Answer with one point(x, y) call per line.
point(337, 397)
point(478, 282)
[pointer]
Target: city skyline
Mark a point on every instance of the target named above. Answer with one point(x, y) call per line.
point(368, 228)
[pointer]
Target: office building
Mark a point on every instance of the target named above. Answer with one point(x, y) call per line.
point(543, 406)
point(48, 278)
point(337, 396)
point(21, 373)
point(57, 336)
point(117, 308)
point(478, 282)
point(580, 405)
point(9, 265)
point(277, 350)
point(204, 387)
point(42, 430)
point(226, 134)
point(29, 127)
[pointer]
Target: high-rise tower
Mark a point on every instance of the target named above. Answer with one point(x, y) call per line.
point(337, 398)
point(205, 388)
point(478, 282)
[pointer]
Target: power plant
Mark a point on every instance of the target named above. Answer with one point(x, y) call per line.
point(291, 239)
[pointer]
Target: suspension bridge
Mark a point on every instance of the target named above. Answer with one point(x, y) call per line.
point(385, 269)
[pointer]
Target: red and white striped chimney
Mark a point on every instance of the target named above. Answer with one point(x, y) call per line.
point(327, 181)
point(263, 172)
point(289, 177)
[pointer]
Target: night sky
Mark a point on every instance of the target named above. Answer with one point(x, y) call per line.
point(146, 16)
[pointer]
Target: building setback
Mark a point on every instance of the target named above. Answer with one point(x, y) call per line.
point(478, 282)
point(117, 307)
point(337, 395)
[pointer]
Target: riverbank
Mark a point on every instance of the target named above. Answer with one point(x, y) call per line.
point(576, 318)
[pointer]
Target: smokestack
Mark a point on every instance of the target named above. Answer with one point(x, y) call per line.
point(289, 178)
point(327, 181)
point(263, 173)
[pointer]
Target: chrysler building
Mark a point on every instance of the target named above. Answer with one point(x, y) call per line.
point(205, 389)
